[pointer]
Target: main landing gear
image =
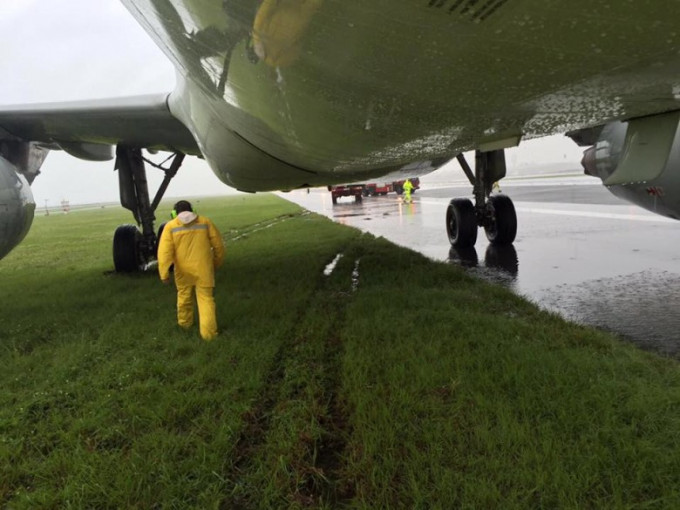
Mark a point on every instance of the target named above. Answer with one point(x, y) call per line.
point(133, 249)
point(495, 213)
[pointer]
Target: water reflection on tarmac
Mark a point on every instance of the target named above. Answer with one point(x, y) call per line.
point(579, 251)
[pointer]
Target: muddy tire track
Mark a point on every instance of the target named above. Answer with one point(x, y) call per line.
point(257, 420)
point(246, 231)
point(332, 484)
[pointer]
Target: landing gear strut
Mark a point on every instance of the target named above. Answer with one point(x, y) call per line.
point(495, 213)
point(133, 249)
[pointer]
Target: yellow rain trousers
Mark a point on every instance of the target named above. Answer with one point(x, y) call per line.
point(196, 250)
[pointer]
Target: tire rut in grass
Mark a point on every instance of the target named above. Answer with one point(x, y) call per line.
point(248, 230)
point(314, 473)
point(331, 484)
point(336, 488)
point(257, 420)
point(256, 424)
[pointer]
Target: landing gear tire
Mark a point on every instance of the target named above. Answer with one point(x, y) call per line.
point(358, 198)
point(461, 223)
point(126, 253)
point(503, 226)
point(158, 242)
point(158, 237)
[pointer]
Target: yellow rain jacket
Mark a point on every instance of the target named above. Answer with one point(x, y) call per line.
point(193, 244)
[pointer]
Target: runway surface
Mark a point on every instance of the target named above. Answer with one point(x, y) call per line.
point(580, 251)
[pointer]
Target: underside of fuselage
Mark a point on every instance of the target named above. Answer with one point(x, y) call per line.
point(335, 90)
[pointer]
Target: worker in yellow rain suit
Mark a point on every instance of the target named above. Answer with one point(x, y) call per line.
point(408, 188)
point(193, 244)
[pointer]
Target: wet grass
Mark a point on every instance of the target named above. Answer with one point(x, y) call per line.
point(421, 388)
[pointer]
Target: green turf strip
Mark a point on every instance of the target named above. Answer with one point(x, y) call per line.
point(421, 388)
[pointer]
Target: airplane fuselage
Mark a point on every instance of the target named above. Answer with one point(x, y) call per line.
point(289, 93)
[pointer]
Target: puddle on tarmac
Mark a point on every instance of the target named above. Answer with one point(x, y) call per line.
point(642, 307)
point(348, 215)
point(500, 263)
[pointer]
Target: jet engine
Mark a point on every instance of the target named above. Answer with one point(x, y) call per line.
point(16, 207)
point(637, 160)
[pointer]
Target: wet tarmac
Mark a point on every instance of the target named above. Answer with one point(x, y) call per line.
point(580, 251)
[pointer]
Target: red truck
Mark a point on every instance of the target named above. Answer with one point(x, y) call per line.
point(370, 190)
point(347, 190)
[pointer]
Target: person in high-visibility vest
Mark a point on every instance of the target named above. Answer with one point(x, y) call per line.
point(194, 245)
point(408, 187)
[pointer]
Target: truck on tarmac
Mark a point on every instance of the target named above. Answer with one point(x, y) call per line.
point(372, 189)
point(358, 191)
point(347, 190)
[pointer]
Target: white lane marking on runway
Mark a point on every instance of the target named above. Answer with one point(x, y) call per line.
point(584, 214)
point(608, 216)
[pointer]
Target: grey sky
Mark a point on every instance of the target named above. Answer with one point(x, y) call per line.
point(57, 50)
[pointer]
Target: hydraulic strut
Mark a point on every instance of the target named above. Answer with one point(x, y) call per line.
point(489, 168)
point(134, 194)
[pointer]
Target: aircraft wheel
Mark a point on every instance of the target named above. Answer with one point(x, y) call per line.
point(158, 237)
point(503, 227)
point(358, 198)
point(158, 242)
point(461, 223)
point(126, 253)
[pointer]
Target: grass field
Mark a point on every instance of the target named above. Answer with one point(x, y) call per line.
point(411, 385)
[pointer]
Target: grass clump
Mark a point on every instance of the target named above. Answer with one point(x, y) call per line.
point(414, 385)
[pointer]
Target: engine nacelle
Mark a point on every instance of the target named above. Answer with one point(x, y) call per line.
point(17, 207)
point(638, 160)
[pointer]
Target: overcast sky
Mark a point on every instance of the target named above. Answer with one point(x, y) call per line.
point(57, 50)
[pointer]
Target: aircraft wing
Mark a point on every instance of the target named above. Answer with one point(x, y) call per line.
point(140, 121)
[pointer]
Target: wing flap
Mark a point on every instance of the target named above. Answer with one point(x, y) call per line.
point(140, 121)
